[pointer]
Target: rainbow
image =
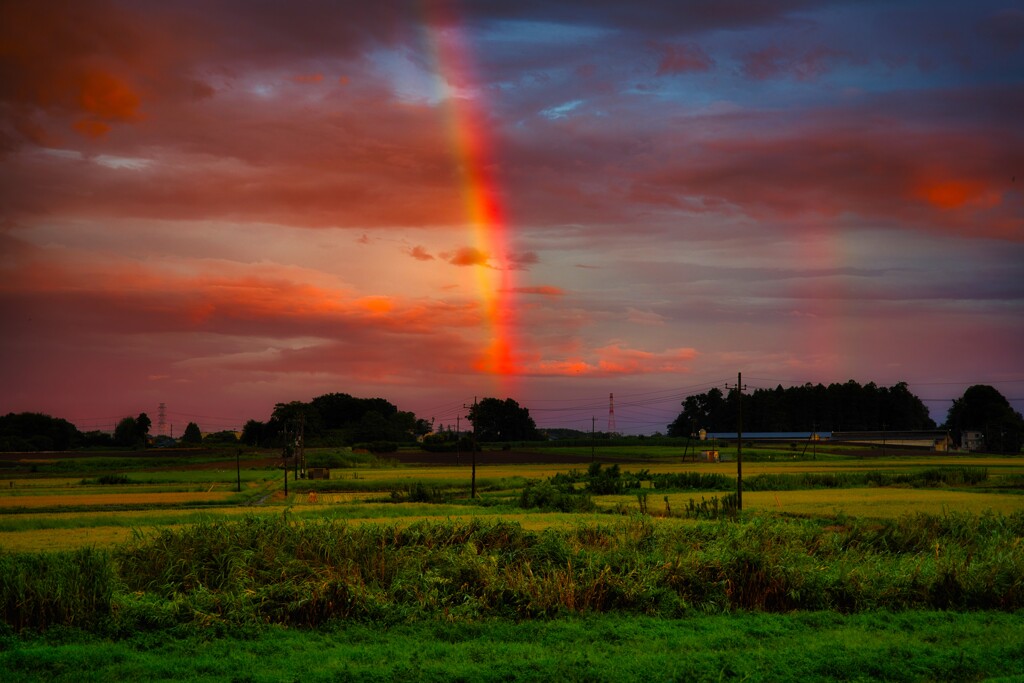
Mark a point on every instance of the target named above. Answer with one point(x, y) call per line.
point(466, 122)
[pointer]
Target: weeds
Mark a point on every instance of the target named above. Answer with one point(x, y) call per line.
point(305, 573)
point(726, 508)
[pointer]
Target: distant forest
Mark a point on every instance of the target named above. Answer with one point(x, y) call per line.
point(810, 407)
point(342, 420)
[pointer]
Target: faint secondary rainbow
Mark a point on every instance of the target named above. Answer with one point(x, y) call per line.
point(466, 120)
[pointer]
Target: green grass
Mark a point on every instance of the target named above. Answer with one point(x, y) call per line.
point(268, 569)
point(819, 646)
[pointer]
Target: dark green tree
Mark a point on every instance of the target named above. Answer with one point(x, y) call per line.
point(497, 420)
point(290, 416)
point(37, 432)
point(132, 431)
point(142, 424)
point(708, 411)
point(192, 434)
point(223, 437)
point(982, 408)
point(252, 433)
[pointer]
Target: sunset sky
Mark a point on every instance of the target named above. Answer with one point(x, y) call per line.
point(221, 205)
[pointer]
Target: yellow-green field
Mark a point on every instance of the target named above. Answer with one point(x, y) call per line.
point(75, 511)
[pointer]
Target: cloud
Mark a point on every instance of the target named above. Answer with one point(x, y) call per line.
point(543, 290)
point(1006, 28)
point(638, 317)
point(615, 360)
point(684, 58)
point(420, 253)
point(949, 181)
point(522, 260)
point(775, 62)
point(467, 256)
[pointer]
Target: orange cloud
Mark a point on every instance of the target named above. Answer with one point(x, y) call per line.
point(467, 256)
point(953, 193)
point(308, 78)
point(613, 360)
point(108, 97)
point(377, 304)
point(543, 290)
point(421, 254)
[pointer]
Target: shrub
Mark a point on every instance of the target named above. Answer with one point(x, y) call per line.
point(548, 497)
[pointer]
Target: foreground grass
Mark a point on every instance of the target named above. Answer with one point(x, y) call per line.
point(821, 646)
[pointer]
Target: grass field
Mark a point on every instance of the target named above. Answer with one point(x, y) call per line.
point(834, 574)
point(800, 647)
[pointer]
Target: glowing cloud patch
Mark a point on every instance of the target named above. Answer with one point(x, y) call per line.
point(952, 194)
point(377, 304)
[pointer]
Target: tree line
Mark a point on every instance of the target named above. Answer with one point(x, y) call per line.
point(850, 407)
point(339, 419)
point(336, 419)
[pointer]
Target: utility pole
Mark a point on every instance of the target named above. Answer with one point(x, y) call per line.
point(593, 420)
point(289, 446)
point(739, 439)
point(300, 455)
point(458, 439)
point(612, 427)
point(472, 490)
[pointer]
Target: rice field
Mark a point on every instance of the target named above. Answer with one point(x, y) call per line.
point(116, 498)
point(868, 502)
point(73, 511)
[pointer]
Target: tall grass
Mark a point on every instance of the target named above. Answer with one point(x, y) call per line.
point(39, 591)
point(275, 570)
point(268, 569)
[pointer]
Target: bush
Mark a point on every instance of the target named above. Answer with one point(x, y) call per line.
point(604, 481)
point(419, 493)
point(547, 497)
point(108, 479)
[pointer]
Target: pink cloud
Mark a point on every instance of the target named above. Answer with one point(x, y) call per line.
point(775, 61)
point(684, 58)
point(829, 170)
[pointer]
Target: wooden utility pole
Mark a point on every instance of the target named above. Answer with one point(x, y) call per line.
point(739, 439)
point(458, 438)
point(472, 490)
point(593, 421)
